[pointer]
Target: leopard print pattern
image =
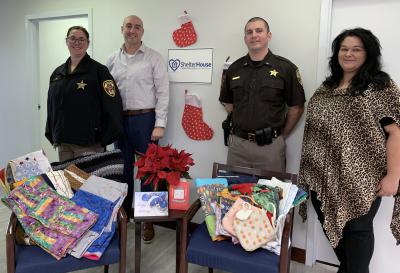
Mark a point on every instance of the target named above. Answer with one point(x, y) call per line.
point(344, 153)
point(395, 223)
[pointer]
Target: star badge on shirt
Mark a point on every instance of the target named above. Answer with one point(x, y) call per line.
point(273, 73)
point(81, 85)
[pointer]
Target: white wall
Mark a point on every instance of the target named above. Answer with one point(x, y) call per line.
point(15, 99)
point(219, 24)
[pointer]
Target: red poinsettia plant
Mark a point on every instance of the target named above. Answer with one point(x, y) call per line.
point(163, 164)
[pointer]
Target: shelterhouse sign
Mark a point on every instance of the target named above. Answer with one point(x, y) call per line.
point(190, 65)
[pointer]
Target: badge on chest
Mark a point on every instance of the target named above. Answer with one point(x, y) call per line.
point(81, 85)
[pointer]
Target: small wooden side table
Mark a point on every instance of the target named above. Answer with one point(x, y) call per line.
point(177, 216)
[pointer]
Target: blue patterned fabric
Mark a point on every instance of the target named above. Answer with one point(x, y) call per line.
point(103, 208)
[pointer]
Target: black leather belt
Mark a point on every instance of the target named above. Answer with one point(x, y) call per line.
point(138, 112)
point(252, 135)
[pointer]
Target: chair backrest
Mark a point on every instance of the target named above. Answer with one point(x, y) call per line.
point(252, 171)
point(285, 256)
point(198, 251)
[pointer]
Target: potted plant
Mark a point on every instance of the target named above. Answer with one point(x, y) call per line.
point(163, 165)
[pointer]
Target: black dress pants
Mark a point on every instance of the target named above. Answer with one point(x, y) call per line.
point(356, 247)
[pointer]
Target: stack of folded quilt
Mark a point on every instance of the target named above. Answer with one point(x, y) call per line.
point(54, 222)
point(104, 197)
point(66, 211)
point(247, 210)
point(108, 165)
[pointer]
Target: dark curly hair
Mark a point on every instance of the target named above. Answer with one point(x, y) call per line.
point(369, 73)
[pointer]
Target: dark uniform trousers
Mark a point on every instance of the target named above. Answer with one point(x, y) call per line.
point(355, 249)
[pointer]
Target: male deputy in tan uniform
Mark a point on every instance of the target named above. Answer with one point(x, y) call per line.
point(265, 94)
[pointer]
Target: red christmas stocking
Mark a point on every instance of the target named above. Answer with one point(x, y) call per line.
point(185, 35)
point(192, 119)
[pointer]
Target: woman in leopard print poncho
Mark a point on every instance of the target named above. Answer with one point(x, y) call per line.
point(351, 148)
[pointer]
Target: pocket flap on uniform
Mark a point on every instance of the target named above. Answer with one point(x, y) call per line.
point(236, 81)
point(272, 83)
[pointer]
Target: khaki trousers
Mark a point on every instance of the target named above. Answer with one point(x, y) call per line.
point(70, 151)
point(242, 152)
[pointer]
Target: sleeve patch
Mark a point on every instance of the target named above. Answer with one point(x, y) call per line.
point(109, 88)
point(299, 77)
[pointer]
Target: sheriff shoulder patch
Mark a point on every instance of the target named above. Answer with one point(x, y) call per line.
point(109, 88)
point(299, 77)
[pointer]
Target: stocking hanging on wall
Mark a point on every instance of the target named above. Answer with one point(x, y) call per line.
point(185, 35)
point(192, 119)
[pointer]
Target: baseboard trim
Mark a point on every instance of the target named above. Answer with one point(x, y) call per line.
point(330, 264)
point(298, 255)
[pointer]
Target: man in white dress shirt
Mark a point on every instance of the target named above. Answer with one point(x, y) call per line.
point(141, 76)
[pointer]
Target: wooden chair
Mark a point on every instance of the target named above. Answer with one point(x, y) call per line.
point(224, 255)
point(27, 259)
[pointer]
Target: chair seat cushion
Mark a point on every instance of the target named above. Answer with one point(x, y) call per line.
point(227, 256)
point(34, 259)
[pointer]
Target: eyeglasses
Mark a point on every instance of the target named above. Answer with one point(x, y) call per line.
point(356, 50)
point(73, 39)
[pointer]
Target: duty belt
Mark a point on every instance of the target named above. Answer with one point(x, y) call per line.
point(138, 112)
point(252, 135)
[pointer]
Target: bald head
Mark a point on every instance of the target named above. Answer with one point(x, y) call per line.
point(132, 30)
point(132, 17)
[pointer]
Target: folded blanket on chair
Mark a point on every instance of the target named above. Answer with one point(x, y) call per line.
point(25, 166)
point(114, 194)
point(54, 222)
point(103, 208)
point(108, 165)
point(60, 183)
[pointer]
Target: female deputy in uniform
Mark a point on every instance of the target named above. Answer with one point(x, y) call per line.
point(84, 107)
point(351, 148)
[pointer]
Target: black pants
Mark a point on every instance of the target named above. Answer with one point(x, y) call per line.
point(356, 247)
